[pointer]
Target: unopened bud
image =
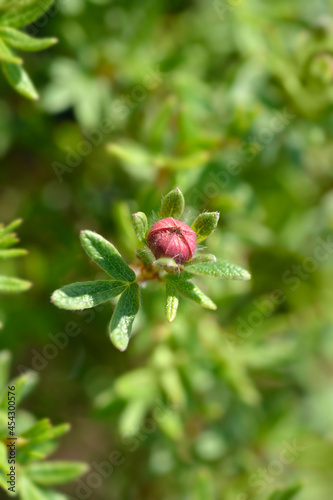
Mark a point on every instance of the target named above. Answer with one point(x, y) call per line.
point(172, 238)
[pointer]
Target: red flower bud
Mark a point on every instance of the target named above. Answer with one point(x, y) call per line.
point(172, 238)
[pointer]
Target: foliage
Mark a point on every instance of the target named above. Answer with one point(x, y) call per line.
point(232, 102)
point(34, 439)
point(125, 282)
point(17, 14)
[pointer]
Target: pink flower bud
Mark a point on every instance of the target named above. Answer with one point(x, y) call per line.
point(172, 238)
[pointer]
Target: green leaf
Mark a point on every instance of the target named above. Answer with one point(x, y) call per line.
point(5, 359)
point(10, 227)
point(219, 269)
point(27, 14)
point(173, 204)
point(8, 240)
point(123, 317)
point(44, 431)
point(9, 284)
point(29, 491)
point(87, 294)
point(23, 384)
point(191, 291)
point(19, 80)
point(22, 41)
point(140, 224)
point(198, 259)
point(106, 256)
point(285, 494)
point(6, 54)
point(12, 253)
point(172, 301)
point(205, 224)
point(57, 472)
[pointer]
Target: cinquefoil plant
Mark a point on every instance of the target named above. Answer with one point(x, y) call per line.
point(17, 14)
point(34, 440)
point(169, 255)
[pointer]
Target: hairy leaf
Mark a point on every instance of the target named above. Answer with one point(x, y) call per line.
point(191, 291)
point(106, 256)
point(219, 269)
point(86, 294)
point(123, 317)
point(172, 300)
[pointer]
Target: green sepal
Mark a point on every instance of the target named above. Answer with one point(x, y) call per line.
point(172, 205)
point(140, 225)
point(205, 224)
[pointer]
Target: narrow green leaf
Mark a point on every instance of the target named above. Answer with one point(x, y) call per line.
point(13, 285)
point(23, 384)
point(219, 269)
point(173, 204)
point(27, 14)
point(22, 41)
point(12, 253)
point(19, 80)
point(285, 494)
point(5, 360)
point(6, 54)
point(123, 317)
point(205, 224)
point(8, 240)
point(29, 491)
point(198, 259)
point(132, 416)
point(192, 292)
point(86, 294)
point(10, 227)
point(57, 472)
point(44, 431)
point(140, 224)
point(106, 256)
point(172, 301)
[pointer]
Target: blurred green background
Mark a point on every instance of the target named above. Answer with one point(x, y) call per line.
point(231, 101)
